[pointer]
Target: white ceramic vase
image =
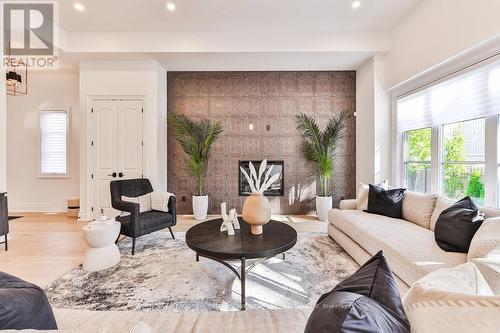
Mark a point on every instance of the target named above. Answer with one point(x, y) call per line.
point(323, 205)
point(200, 207)
point(256, 212)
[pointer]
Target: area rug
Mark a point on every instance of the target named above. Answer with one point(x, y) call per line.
point(164, 276)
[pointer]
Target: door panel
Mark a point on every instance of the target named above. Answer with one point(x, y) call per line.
point(130, 138)
point(117, 147)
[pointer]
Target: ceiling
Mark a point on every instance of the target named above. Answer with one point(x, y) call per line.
point(230, 34)
point(231, 15)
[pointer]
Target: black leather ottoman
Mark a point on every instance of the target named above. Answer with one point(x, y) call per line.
point(23, 305)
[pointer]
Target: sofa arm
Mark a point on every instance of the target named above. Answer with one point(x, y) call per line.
point(486, 241)
point(349, 204)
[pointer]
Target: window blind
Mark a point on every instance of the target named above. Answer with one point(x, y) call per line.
point(470, 95)
point(53, 142)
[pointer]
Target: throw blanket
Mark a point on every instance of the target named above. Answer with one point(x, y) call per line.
point(159, 200)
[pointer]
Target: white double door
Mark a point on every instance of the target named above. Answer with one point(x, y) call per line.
point(117, 146)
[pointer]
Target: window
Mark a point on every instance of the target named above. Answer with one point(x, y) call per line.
point(53, 157)
point(464, 160)
point(418, 149)
point(449, 135)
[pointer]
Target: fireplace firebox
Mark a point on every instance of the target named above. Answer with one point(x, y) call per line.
point(277, 189)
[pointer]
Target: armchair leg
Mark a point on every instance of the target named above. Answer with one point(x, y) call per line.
point(117, 238)
point(171, 232)
point(6, 243)
point(133, 245)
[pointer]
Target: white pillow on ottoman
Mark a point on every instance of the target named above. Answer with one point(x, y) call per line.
point(453, 300)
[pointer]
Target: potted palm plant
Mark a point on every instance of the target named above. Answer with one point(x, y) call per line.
point(196, 139)
point(319, 146)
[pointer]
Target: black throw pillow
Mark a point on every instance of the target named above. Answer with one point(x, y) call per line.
point(385, 202)
point(24, 305)
point(456, 226)
point(367, 301)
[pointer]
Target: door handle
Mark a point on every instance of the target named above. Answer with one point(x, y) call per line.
point(120, 174)
point(112, 174)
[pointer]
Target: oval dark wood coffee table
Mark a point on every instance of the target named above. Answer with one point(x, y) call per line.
point(208, 241)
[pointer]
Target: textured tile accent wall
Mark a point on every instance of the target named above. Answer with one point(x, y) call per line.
point(269, 101)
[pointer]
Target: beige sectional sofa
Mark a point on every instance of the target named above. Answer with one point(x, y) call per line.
point(408, 243)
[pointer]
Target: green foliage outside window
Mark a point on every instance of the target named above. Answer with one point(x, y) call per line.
point(419, 144)
point(454, 174)
point(475, 189)
point(455, 182)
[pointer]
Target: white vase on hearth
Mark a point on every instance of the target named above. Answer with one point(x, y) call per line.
point(323, 205)
point(200, 207)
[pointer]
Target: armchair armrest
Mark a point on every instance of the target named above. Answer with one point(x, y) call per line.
point(349, 204)
point(172, 207)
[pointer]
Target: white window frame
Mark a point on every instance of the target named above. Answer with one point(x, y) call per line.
point(404, 155)
point(491, 163)
point(39, 142)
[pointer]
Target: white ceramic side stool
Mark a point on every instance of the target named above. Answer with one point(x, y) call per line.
point(103, 252)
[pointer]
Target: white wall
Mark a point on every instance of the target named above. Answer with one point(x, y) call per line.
point(27, 192)
point(373, 124)
point(436, 30)
point(365, 130)
point(126, 78)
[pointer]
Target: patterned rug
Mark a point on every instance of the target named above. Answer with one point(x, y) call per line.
point(164, 276)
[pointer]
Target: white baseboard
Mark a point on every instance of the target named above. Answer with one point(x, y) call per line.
point(37, 207)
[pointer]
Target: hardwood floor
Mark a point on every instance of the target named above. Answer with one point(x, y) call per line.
point(43, 247)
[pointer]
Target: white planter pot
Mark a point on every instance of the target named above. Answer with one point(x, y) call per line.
point(256, 212)
point(323, 205)
point(200, 207)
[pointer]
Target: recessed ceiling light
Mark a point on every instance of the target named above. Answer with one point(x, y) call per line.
point(79, 7)
point(170, 6)
point(356, 4)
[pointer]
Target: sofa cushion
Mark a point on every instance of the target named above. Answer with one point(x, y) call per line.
point(453, 300)
point(409, 248)
point(418, 208)
point(362, 198)
point(23, 305)
point(385, 202)
point(456, 226)
point(441, 204)
point(366, 301)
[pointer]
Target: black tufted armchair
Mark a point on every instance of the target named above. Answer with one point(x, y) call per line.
point(138, 224)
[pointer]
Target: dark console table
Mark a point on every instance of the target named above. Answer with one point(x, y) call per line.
point(207, 241)
point(4, 218)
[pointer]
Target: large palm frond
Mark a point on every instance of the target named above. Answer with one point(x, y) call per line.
point(318, 146)
point(196, 139)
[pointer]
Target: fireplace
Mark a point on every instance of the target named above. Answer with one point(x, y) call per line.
point(277, 189)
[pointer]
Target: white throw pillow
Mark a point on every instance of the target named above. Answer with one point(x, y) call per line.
point(362, 198)
point(442, 203)
point(418, 208)
point(159, 201)
point(454, 300)
point(144, 202)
